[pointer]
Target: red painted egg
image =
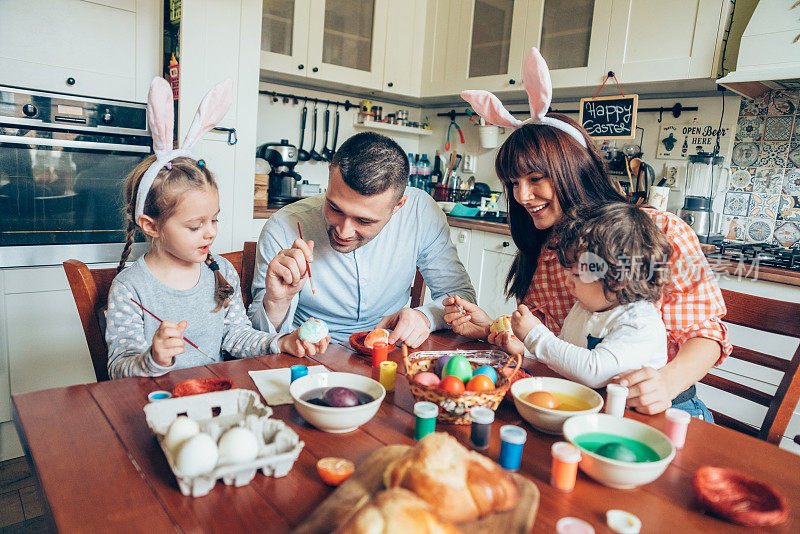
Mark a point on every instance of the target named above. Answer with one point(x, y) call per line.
point(452, 384)
point(480, 383)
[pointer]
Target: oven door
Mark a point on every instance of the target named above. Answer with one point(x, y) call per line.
point(61, 196)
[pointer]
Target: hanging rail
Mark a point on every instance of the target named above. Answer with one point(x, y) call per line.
point(296, 99)
point(676, 111)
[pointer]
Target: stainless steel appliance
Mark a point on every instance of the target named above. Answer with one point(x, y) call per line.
point(63, 160)
point(282, 158)
point(706, 178)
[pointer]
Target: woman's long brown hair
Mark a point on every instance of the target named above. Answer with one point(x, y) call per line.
point(578, 174)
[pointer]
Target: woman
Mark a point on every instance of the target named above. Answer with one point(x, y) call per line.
point(550, 164)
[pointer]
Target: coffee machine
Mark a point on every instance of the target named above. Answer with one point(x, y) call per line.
point(282, 158)
point(706, 181)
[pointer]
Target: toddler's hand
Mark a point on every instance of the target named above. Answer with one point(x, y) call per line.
point(292, 344)
point(168, 343)
point(507, 341)
point(523, 321)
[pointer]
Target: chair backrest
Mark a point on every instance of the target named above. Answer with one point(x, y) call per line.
point(418, 290)
point(766, 315)
point(90, 291)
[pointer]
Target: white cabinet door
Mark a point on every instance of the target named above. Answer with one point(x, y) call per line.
point(347, 41)
point(444, 61)
point(572, 36)
point(491, 256)
point(405, 35)
point(652, 40)
point(284, 35)
point(69, 46)
point(461, 238)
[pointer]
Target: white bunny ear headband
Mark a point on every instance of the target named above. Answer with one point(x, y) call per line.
point(161, 118)
point(536, 77)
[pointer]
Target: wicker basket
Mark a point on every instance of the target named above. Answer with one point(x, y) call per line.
point(454, 407)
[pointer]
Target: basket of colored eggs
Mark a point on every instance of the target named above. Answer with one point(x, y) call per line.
point(461, 380)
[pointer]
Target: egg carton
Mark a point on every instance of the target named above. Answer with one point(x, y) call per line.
point(279, 445)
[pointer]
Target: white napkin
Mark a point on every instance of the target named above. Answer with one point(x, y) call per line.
point(273, 384)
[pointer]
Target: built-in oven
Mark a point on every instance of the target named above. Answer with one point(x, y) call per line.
point(63, 162)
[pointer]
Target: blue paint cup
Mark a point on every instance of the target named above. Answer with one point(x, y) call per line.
point(512, 439)
point(158, 395)
point(298, 371)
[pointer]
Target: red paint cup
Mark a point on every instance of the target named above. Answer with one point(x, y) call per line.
point(380, 353)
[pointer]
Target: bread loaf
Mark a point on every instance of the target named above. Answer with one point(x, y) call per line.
point(396, 511)
point(459, 485)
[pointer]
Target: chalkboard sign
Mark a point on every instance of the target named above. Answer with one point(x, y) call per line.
point(610, 117)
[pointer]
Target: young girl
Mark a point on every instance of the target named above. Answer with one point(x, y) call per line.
point(618, 262)
point(174, 200)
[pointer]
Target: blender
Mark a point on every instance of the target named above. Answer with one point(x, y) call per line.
point(706, 178)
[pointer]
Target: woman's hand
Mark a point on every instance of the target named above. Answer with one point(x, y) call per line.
point(292, 344)
point(168, 343)
point(507, 341)
point(472, 322)
point(648, 390)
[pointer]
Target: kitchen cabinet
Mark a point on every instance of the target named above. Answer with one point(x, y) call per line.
point(490, 258)
point(405, 37)
point(284, 35)
point(461, 238)
point(103, 49)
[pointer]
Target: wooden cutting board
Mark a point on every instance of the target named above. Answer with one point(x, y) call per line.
point(368, 480)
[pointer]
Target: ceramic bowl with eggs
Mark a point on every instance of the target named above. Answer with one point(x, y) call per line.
point(619, 452)
point(337, 402)
point(547, 402)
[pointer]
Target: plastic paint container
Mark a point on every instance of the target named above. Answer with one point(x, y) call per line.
point(298, 371)
point(616, 396)
point(481, 428)
point(564, 467)
point(388, 375)
point(158, 395)
point(380, 351)
point(677, 425)
point(573, 525)
point(512, 439)
point(424, 419)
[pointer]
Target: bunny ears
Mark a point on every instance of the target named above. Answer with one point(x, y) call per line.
point(161, 118)
point(536, 78)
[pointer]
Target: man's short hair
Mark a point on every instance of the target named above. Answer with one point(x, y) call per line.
point(371, 163)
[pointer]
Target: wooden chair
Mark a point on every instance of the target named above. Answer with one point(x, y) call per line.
point(418, 290)
point(766, 315)
point(90, 291)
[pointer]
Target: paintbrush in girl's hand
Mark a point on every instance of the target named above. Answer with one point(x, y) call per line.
point(308, 265)
point(154, 316)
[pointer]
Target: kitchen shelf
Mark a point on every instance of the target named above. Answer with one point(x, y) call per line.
point(385, 126)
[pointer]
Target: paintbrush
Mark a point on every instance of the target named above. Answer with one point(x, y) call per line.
point(308, 265)
point(456, 303)
point(154, 316)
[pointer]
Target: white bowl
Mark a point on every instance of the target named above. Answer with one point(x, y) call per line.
point(545, 419)
point(616, 473)
point(337, 420)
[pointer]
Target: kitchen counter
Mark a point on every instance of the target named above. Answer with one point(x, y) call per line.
point(478, 224)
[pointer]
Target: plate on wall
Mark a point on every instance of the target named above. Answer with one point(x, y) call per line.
point(744, 154)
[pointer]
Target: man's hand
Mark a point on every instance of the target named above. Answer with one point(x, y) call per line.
point(168, 343)
point(507, 341)
point(523, 321)
point(286, 275)
point(292, 344)
point(470, 320)
point(410, 326)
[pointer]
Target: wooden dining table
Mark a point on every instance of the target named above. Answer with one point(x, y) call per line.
point(100, 467)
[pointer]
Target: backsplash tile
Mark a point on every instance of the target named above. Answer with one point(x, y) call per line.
point(782, 102)
point(764, 206)
point(778, 128)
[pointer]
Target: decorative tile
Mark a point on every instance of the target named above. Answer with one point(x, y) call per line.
point(759, 230)
point(794, 156)
point(787, 234)
point(736, 204)
point(754, 107)
point(733, 227)
point(745, 154)
point(764, 206)
point(795, 139)
point(741, 179)
point(768, 180)
point(750, 129)
point(782, 103)
point(778, 128)
point(772, 154)
point(791, 182)
point(789, 208)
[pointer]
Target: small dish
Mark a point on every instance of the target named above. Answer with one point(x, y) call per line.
point(196, 386)
point(739, 498)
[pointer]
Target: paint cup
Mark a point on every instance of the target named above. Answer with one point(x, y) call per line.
point(481, 428)
point(564, 467)
point(424, 419)
point(677, 425)
point(298, 371)
point(158, 395)
point(616, 397)
point(388, 375)
point(512, 439)
point(380, 351)
point(573, 525)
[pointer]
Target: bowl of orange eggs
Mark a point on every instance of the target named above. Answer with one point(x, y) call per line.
point(546, 402)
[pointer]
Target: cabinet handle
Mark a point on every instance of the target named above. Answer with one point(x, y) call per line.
point(512, 81)
point(505, 244)
point(462, 237)
point(390, 84)
point(315, 69)
point(301, 66)
point(70, 81)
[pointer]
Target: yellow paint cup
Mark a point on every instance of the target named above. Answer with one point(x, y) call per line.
point(388, 373)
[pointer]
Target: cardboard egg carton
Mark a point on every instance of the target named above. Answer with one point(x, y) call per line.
point(279, 445)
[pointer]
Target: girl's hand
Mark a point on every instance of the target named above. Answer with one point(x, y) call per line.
point(473, 322)
point(168, 343)
point(648, 390)
point(507, 341)
point(292, 344)
point(523, 321)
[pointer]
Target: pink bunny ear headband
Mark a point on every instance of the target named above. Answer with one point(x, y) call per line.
point(536, 78)
point(161, 118)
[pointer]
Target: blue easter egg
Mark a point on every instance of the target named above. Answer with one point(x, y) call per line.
point(488, 371)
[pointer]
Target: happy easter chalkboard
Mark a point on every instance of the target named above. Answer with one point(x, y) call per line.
point(610, 117)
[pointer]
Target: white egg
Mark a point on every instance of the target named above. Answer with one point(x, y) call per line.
point(197, 456)
point(181, 429)
point(238, 445)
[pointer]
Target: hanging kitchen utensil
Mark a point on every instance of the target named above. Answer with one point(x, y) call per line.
point(303, 155)
point(316, 156)
point(335, 131)
point(460, 133)
point(326, 152)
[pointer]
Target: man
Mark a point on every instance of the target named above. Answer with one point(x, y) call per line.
point(366, 237)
